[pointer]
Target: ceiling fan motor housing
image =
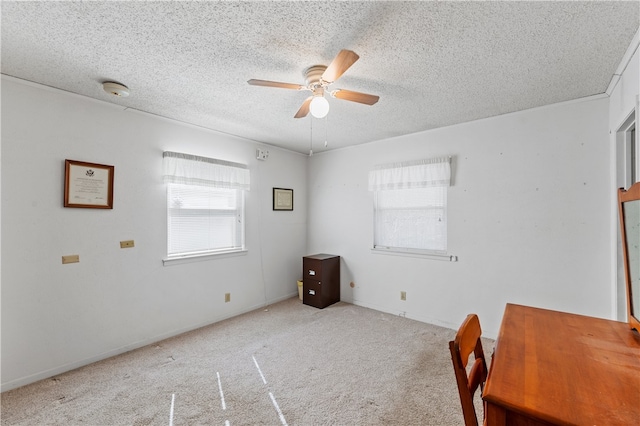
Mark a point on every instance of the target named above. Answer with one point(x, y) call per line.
point(313, 75)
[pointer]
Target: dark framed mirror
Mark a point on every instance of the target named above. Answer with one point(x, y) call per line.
point(629, 210)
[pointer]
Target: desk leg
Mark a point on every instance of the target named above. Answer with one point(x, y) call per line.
point(495, 415)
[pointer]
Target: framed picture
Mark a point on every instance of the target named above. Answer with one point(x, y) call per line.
point(88, 185)
point(282, 199)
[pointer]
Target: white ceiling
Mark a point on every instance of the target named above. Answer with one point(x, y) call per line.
point(433, 64)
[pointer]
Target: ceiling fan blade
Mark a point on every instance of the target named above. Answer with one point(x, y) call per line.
point(267, 83)
point(343, 60)
point(304, 109)
point(349, 95)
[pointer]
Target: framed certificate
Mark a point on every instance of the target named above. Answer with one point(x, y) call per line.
point(88, 185)
point(282, 199)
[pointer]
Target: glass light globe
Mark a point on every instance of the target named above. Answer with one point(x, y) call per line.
point(319, 107)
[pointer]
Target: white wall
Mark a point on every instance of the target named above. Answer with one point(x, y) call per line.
point(528, 218)
point(56, 317)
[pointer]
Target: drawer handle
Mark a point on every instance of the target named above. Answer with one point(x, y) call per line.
point(312, 272)
point(312, 292)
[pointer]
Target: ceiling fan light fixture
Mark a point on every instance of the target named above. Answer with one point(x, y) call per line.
point(319, 107)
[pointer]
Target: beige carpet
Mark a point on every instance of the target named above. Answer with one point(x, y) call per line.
point(286, 364)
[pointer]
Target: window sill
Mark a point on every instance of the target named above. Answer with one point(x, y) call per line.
point(179, 260)
point(418, 254)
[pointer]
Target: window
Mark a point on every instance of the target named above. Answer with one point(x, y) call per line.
point(410, 206)
point(205, 205)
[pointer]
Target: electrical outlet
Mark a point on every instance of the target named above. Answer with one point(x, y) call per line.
point(403, 295)
point(262, 154)
point(227, 297)
point(126, 244)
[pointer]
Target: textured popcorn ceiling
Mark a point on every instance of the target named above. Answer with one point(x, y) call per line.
point(433, 64)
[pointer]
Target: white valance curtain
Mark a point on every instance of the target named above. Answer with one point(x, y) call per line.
point(189, 169)
point(411, 174)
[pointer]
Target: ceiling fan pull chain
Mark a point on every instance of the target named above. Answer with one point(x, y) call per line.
point(326, 130)
point(311, 138)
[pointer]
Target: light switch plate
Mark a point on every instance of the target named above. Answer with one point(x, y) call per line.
point(126, 244)
point(72, 258)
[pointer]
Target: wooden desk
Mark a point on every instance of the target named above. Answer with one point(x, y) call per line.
point(553, 367)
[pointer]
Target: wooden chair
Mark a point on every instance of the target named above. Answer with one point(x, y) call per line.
point(467, 341)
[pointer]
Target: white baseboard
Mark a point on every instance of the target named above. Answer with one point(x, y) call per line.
point(421, 318)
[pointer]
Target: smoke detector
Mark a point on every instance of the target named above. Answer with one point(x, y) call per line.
point(115, 89)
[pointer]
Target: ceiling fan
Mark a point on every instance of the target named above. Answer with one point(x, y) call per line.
point(318, 78)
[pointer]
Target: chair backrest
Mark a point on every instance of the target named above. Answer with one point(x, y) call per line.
point(467, 341)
